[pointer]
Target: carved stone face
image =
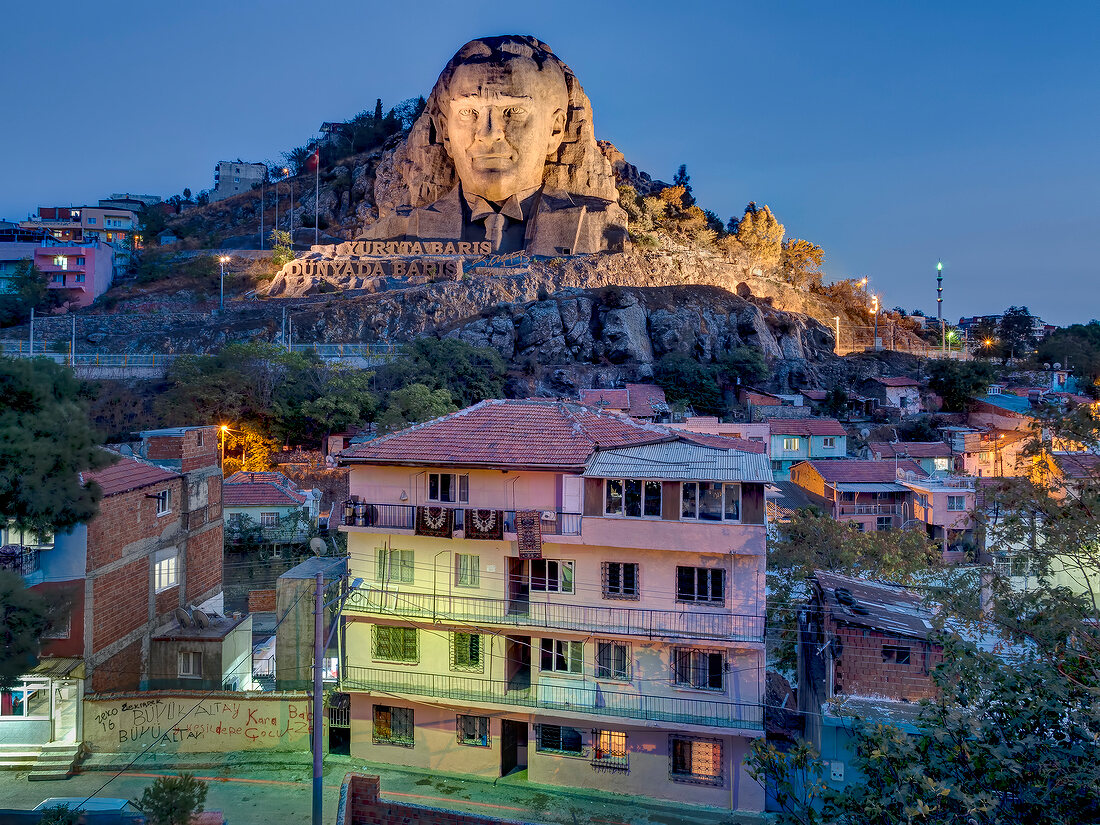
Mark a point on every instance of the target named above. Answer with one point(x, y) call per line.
point(501, 120)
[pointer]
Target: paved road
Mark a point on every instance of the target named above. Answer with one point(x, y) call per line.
point(251, 795)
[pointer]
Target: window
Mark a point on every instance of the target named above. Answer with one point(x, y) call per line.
point(620, 580)
point(61, 262)
point(91, 221)
point(58, 278)
point(448, 487)
point(393, 565)
point(395, 644)
point(26, 698)
point(790, 444)
point(473, 730)
point(559, 656)
point(983, 455)
point(393, 726)
point(190, 662)
point(613, 661)
point(80, 261)
point(269, 519)
point(552, 575)
point(941, 463)
point(166, 571)
point(164, 502)
point(466, 652)
point(80, 278)
point(632, 497)
point(710, 501)
point(701, 584)
point(699, 669)
point(884, 523)
point(558, 739)
point(828, 442)
point(848, 496)
point(860, 526)
point(895, 654)
point(956, 504)
point(609, 749)
point(467, 570)
point(200, 438)
point(695, 760)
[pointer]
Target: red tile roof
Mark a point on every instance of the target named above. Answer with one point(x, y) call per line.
point(1078, 465)
point(723, 442)
point(257, 489)
point(638, 400)
point(128, 474)
point(815, 395)
point(608, 399)
point(806, 426)
point(852, 471)
point(913, 449)
point(544, 434)
point(898, 382)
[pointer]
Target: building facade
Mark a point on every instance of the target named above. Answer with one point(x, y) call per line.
point(550, 587)
point(233, 177)
point(867, 493)
point(795, 440)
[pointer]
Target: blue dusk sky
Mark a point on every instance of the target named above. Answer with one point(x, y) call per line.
point(890, 133)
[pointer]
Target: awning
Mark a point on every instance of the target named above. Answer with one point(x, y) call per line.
point(59, 667)
point(868, 487)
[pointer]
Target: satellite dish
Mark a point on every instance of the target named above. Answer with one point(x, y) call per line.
point(317, 545)
point(864, 432)
point(201, 619)
point(1057, 365)
point(1046, 366)
point(183, 617)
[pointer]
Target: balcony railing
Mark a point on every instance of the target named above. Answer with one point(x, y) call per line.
point(23, 561)
point(403, 517)
point(696, 624)
point(583, 697)
point(868, 509)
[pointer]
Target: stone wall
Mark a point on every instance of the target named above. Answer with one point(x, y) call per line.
point(360, 804)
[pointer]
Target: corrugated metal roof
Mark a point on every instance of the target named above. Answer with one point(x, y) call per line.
point(855, 487)
point(679, 461)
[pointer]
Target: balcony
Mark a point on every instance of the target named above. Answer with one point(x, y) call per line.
point(403, 517)
point(583, 697)
point(868, 509)
point(718, 625)
point(23, 561)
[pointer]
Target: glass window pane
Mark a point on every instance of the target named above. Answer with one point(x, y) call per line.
point(710, 501)
point(688, 498)
point(632, 497)
point(652, 498)
point(567, 577)
point(433, 486)
point(614, 501)
point(733, 502)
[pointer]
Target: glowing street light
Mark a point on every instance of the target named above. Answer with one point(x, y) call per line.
point(223, 260)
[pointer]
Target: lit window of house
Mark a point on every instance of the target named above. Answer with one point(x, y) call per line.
point(695, 760)
point(710, 501)
point(166, 571)
point(61, 262)
point(790, 444)
point(393, 726)
point(632, 497)
point(609, 749)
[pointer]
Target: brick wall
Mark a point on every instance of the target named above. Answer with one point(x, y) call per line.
point(186, 448)
point(120, 672)
point(261, 601)
point(204, 563)
point(120, 602)
point(361, 805)
point(127, 518)
point(72, 593)
point(861, 669)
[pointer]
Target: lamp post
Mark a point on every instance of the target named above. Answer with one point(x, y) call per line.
point(874, 310)
point(939, 307)
point(836, 347)
point(223, 260)
point(290, 211)
point(222, 431)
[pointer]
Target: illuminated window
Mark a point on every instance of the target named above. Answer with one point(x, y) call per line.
point(61, 262)
point(790, 444)
point(695, 760)
point(632, 498)
point(609, 749)
point(166, 571)
point(26, 699)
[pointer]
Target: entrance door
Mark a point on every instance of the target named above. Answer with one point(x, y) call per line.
point(519, 590)
point(517, 654)
point(513, 746)
point(65, 699)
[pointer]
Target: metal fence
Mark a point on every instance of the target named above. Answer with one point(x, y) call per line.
point(582, 697)
point(403, 517)
point(355, 350)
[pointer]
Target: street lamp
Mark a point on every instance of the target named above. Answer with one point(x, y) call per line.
point(939, 307)
point(836, 319)
point(223, 260)
point(222, 431)
point(874, 310)
point(290, 210)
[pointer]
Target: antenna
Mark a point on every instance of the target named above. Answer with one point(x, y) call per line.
point(183, 617)
point(317, 545)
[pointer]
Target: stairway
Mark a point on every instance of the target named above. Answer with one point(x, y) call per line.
point(18, 757)
point(57, 760)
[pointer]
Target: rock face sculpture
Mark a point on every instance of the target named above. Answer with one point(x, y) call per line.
point(504, 154)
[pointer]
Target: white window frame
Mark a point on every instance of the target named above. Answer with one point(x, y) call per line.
point(642, 499)
point(186, 661)
point(564, 576)
point(467, 570)
point(200, 438)
point(269, 519)
point(394, 565)
point(791, 443)
point(26, 688)
point(164, 502)
point(828, 442)
point(567, 651)
point(960, 500)
point(697, 485)
point(166, 570)
point(459, 484)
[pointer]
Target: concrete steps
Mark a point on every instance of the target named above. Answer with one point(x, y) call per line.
point(18, 757)
point(56, 761)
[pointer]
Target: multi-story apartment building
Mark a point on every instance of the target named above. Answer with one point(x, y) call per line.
point(551, 587)
point(233, 177)
point(116, 226)
point(801, 439)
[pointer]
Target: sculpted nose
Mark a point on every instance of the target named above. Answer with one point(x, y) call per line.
point(490, 128)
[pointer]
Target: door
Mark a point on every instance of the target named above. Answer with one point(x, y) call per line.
point(519, 589)
point(517, 654)
point(513, 746)
point(65, 700)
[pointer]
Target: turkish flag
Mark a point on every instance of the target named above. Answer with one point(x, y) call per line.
point(313, 161)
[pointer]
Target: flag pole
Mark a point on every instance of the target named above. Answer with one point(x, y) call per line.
point(317, 199)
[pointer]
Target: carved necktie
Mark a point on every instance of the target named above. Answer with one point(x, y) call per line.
point(494, 229)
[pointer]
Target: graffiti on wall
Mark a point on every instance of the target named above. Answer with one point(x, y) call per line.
point(226, 722)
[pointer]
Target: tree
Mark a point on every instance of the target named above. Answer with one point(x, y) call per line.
point(469, 374)
point(956, 382)
point(414, 404)
point(800, 262)
point(744, 365)
point(987, 338)
point(686, 380)
point(256, 448)
point(1017, 328)
point(1076, 346)
point(761, 235)
point(683, 179)
point(186, 194)
point(46, 441)
point(60, 814)
point(343, 401)
point(282, 246)
point(173, 800)
point(25, 616)
point(28, 288)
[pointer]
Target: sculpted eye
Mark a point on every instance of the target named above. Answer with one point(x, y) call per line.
point(467, 113)
point(513, 111)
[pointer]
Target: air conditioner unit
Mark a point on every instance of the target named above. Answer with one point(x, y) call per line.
point(549, 515)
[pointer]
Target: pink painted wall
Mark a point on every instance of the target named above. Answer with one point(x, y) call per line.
point(97, 270)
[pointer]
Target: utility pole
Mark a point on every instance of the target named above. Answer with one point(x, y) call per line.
point(32, 332)
point(939, 308)
point(263, 181)
point(72, 346)
point(283, 339)
point(836, 348)
point(318, 696)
